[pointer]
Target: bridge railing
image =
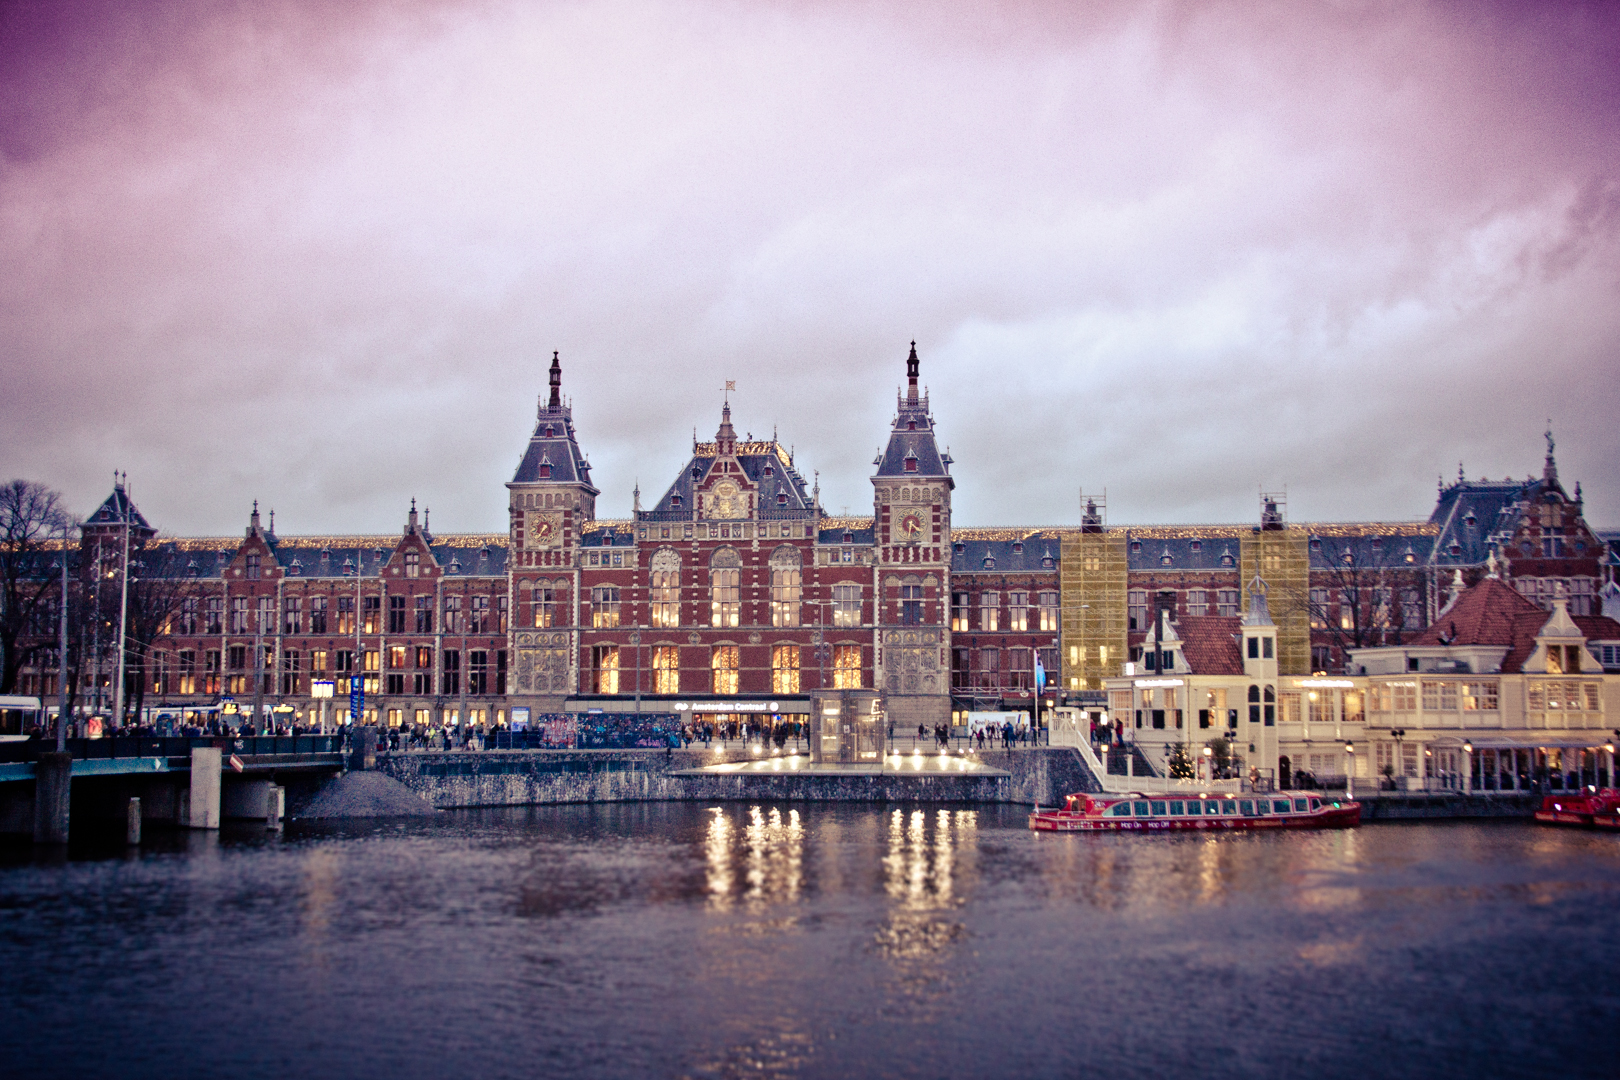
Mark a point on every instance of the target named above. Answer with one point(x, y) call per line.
point(176, 746)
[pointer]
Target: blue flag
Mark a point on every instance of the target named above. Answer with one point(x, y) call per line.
point(1040, 676)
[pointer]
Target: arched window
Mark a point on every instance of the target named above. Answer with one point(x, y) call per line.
point(725, 590)
point(786, 585)
point(666, 587)
point(1254, 704)
point(1271, 706)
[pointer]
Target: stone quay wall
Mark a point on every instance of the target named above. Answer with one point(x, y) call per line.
point(537, 777)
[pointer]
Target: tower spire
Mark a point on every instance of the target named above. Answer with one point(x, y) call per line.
point(556, 380)
point(912, 364)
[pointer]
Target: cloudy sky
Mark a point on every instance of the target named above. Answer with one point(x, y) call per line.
point(320, 255)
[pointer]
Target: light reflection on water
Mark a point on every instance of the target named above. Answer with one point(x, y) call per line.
point(812, 940)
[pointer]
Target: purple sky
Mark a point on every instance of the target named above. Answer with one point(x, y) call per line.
point(319, 255)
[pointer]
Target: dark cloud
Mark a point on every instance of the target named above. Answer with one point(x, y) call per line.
point(320, 255)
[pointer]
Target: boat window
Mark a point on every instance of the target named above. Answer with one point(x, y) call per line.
point(1228, 807)
point(1158, 808)
point(1316, 804)
point(1212, 807)
point(1175, 809)
point(1246, 808)
point(1141, 809)
point(1280, 806)
point(1120, 810)
point(1300, 806)
point(1195, 808)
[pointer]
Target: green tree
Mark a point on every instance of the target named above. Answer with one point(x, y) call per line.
point(1180, 765)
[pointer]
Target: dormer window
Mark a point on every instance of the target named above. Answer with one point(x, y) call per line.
point(768, 471)
point(1455, 549)
point(1316, 543)
point(545, 470)
point(1378, 542)
point(1411, 556)
point(697, 472)
point(252, 566)
point(911, 425)
point(675, 502)
point(849, 538)
point(1018, 547)
point(1047, 562)
point(1227, 560)
point(413, 564)
point(989, 562)
point(549, 431)
point(1349, 557)
point(960, 548)
point(296, 568)
point(1470, 519)
point(781, 498)
point(1166, 559)
point(1196, 546)
point(911, 463)
point(1136, 546)
point(348, 568)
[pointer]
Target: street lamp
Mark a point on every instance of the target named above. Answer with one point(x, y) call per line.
point(1468, 771)
point(1400, 763)
point(1209, 762)
point(1349, 768)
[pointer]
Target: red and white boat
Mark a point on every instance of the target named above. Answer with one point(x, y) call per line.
point(1597, 809)
point(1131, 812)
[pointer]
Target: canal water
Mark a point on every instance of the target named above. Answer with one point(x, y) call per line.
point(682, 940)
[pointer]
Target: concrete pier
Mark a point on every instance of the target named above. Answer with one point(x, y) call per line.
point(132, 822)
point(203, 807)
point(53, 786)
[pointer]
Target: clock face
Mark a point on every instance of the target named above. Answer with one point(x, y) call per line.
point(911, 524)
point(544, 529)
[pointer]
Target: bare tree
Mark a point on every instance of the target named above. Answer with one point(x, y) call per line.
point(1360, 598)
point(157, 592)
point(31, 516)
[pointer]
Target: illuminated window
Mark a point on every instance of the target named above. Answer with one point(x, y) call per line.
point(846, 667)
point(666, 662)
point(725, 588)
point(605, 668)
point(846, 605)
point(542, 601)
point(666, 588)
point(959, 611)
point(1018, 611)
point(723, 664)
point(785, 669)
point(785, 587)
point(989, 610)
point(413, 564)
point(604, 606)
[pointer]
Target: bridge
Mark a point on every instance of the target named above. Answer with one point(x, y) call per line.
point(190, 781)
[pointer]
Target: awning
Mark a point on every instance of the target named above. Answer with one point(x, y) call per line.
point(1529, 740)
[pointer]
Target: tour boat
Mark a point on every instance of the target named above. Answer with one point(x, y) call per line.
point(1595, 808)
point(1218, 810)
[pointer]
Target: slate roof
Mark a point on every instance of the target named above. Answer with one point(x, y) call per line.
point(833, 531)
point(766, 464)
point(600, 534)
point(555, 444)
point(1210, 644)
point(114, 509)
point(912, 437)
point(466, 554)
point(1011, 555)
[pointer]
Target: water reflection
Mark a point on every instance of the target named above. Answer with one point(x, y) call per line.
point(770, 850)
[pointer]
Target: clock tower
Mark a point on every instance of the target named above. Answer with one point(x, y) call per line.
point(550, 499)
point(911, 518)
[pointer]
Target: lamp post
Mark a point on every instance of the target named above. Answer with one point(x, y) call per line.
point(1468, 767)
point(1349, 769)
point(321, 690)
point(1400, 762)
point(1209, 762)
point(62, 653)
